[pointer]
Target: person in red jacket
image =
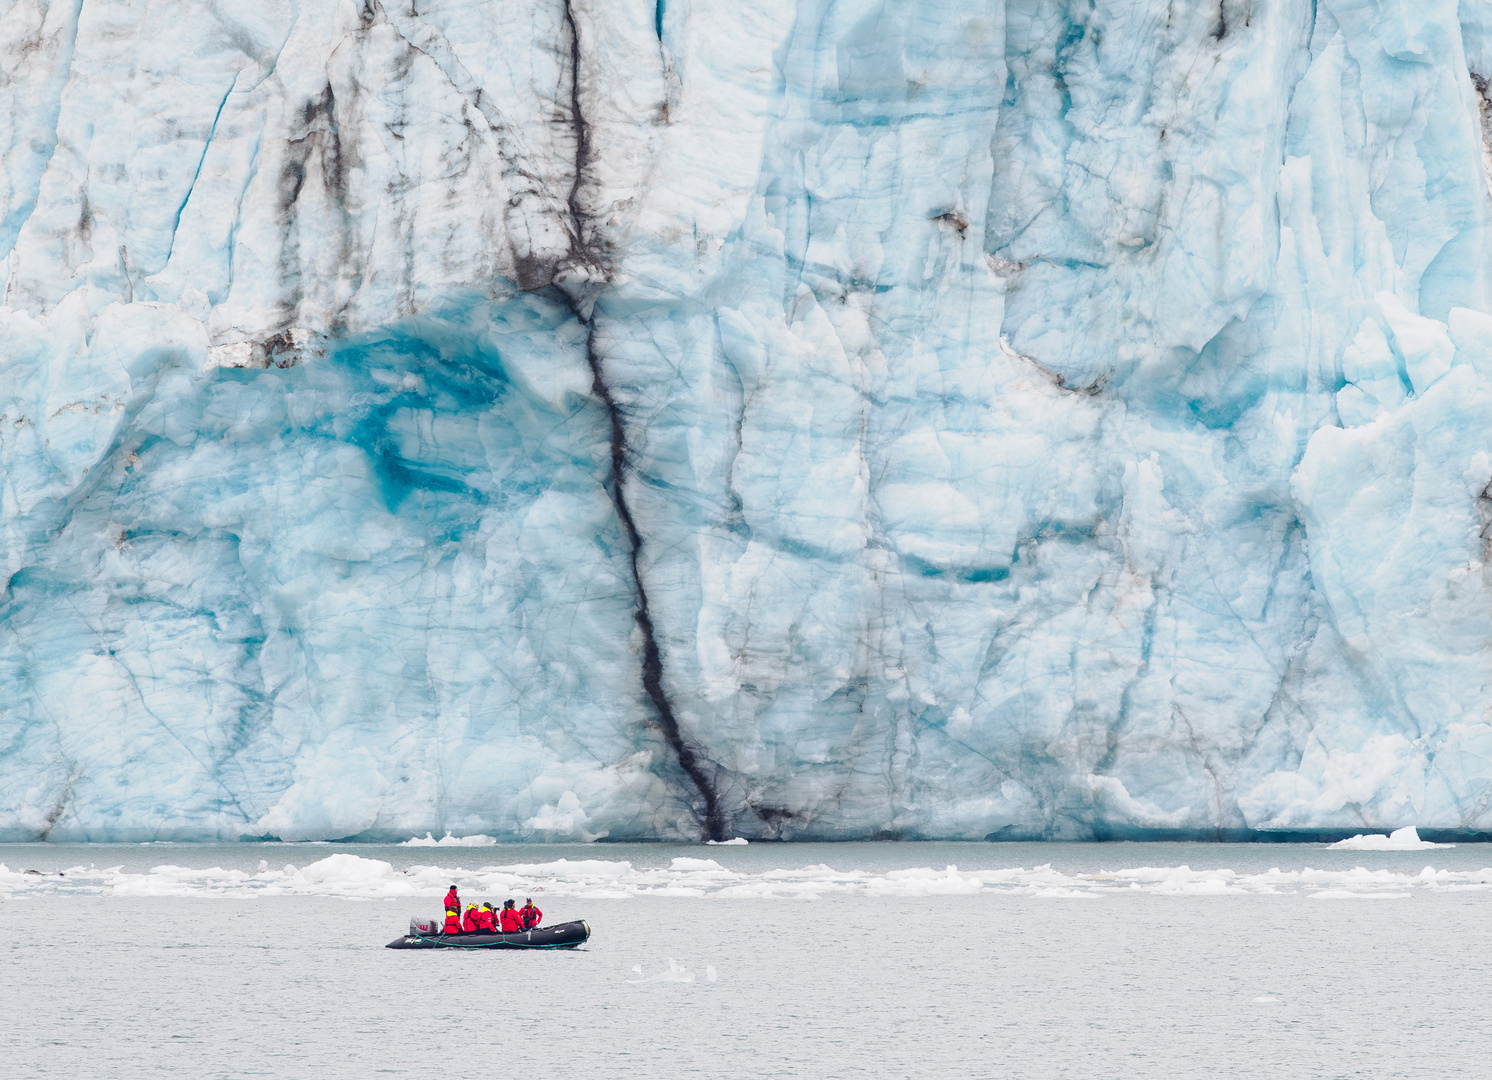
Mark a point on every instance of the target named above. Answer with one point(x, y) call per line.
point(529, 915)
point(511, 924)
point(453, 912)
point(470, 922)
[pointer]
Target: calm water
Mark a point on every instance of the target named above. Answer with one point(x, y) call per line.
point(1029, 960)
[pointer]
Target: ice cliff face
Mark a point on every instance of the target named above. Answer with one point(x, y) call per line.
point(832, 418)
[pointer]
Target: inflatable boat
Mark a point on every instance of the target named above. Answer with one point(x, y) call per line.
point(427, 935)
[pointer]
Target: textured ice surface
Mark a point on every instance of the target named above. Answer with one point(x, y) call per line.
point(479, 840)
point(579, 419)
point(1405, 839)
point(347, 875)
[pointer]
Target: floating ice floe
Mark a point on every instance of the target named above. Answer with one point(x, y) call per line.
point(674, 973)
point(347, 875)
point(478, 840)
point(1405, 839)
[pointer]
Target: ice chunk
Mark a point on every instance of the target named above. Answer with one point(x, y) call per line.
point(1372, 376)
point(564, 818)
point(674, 973)
point(1424, 344)
point(354, 876)
point(476, 840)
point(1405, 839)
point(347, 869)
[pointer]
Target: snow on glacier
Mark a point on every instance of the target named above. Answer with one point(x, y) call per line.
point(564, 420)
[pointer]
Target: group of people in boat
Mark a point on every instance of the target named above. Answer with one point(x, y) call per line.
point(484, 920)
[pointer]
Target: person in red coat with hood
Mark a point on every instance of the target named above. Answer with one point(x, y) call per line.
point(488, 919)
point(529, 915)
point(453, 912)
point(511, 923)
point(471, 922)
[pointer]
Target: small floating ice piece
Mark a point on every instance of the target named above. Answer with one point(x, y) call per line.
point(676, 973)
point(738, 841)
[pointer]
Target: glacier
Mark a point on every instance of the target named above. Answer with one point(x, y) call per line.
point(813, 419)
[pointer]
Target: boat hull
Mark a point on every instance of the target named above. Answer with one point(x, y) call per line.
point(559, 936)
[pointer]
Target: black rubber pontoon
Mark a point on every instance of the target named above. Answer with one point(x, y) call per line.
point(559, 936)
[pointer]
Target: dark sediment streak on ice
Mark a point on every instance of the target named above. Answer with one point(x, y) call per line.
point(690, 760)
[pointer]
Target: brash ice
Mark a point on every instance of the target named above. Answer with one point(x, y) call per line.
point(570, 419)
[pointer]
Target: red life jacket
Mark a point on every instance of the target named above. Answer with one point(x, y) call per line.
point(453, 922)
point(487, 920)
point(453, 902)
point(511, 923)
point(469, 922)
point(529, 916)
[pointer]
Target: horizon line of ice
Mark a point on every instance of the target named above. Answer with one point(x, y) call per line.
point(354, 877)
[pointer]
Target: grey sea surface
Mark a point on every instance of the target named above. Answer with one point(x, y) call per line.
point(857, 960)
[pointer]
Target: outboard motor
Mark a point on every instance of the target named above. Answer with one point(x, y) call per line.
point(419, 927)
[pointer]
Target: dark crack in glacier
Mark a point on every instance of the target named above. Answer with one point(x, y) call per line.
point(581, 296)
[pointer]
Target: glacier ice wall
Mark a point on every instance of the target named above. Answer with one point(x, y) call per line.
point(815, 418)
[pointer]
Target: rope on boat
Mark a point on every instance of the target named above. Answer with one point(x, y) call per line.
point(442, 940)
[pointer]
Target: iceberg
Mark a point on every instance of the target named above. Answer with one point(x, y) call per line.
point(1405, 839)
point(563, 420)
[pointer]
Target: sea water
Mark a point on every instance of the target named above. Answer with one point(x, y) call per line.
point(878, 960)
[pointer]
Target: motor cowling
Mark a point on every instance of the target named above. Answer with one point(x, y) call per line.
point(423, 927)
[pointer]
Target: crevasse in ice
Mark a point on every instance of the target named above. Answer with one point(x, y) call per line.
point(571, 419)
